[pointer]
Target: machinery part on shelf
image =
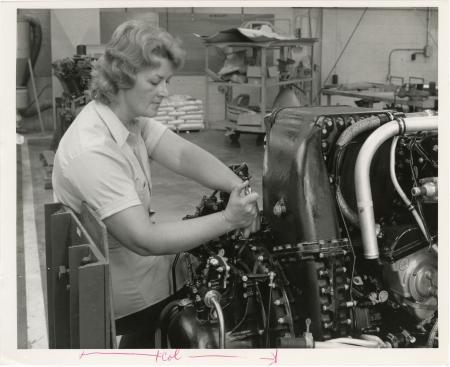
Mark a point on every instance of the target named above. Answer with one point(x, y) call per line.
point(286, 98)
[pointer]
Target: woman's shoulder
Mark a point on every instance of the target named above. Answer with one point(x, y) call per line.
point(86, 132)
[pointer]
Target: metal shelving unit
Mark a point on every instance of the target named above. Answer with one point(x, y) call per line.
point(260, 51)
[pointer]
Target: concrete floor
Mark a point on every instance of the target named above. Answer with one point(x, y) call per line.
point(174, 197)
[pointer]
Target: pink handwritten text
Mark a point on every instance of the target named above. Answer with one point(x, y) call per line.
point(159, 356)
point(273, 359)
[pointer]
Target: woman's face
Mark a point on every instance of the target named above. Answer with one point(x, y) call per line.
point(148, 91)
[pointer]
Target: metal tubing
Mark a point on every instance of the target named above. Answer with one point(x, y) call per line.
point(212, 300)
point(362, 171)
point(219, 312)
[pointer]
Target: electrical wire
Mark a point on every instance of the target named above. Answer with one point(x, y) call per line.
point(417, 202)
point(342, 52)
point(263, 310)
point(241, 321)
point(353, 251)
point(266, 331)
point(402, 194)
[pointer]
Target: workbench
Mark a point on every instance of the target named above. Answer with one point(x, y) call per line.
point(380, 96)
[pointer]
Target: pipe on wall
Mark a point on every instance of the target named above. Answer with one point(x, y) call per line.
point(416, 50)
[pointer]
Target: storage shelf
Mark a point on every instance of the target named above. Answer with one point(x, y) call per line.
point(268, 44)
point(260, 52)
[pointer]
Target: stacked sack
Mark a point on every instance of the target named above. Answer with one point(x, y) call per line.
point(181, 113)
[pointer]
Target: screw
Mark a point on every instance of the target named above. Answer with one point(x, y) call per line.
point(346, 322)
point(278, 302)
point(214, 262)
point(323, 273)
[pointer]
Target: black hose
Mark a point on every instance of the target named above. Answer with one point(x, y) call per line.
point(36, 43)
point(174, 272)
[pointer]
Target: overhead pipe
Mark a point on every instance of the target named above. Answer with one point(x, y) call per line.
point(362, 173)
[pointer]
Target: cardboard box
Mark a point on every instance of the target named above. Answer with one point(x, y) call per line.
point(273, 72)
point(254, 71)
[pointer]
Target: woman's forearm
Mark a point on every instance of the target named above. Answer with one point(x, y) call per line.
point(207, 170)
point(174, 237)
point(133, 228)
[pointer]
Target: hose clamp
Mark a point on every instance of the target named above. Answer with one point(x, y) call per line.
point(401, 125)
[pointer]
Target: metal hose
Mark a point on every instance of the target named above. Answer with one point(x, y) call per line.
point(347, 136)
point(432, 335)
point(219, 312)
point(362, 170)
point(212, 300)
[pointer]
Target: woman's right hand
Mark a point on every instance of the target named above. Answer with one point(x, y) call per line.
point(241, 210)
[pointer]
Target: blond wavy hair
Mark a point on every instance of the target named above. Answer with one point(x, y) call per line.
point(134, 45)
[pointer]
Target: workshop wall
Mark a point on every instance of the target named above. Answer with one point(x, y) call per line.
point(380, 31)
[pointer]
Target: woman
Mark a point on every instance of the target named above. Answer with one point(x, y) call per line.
point(104, 159)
